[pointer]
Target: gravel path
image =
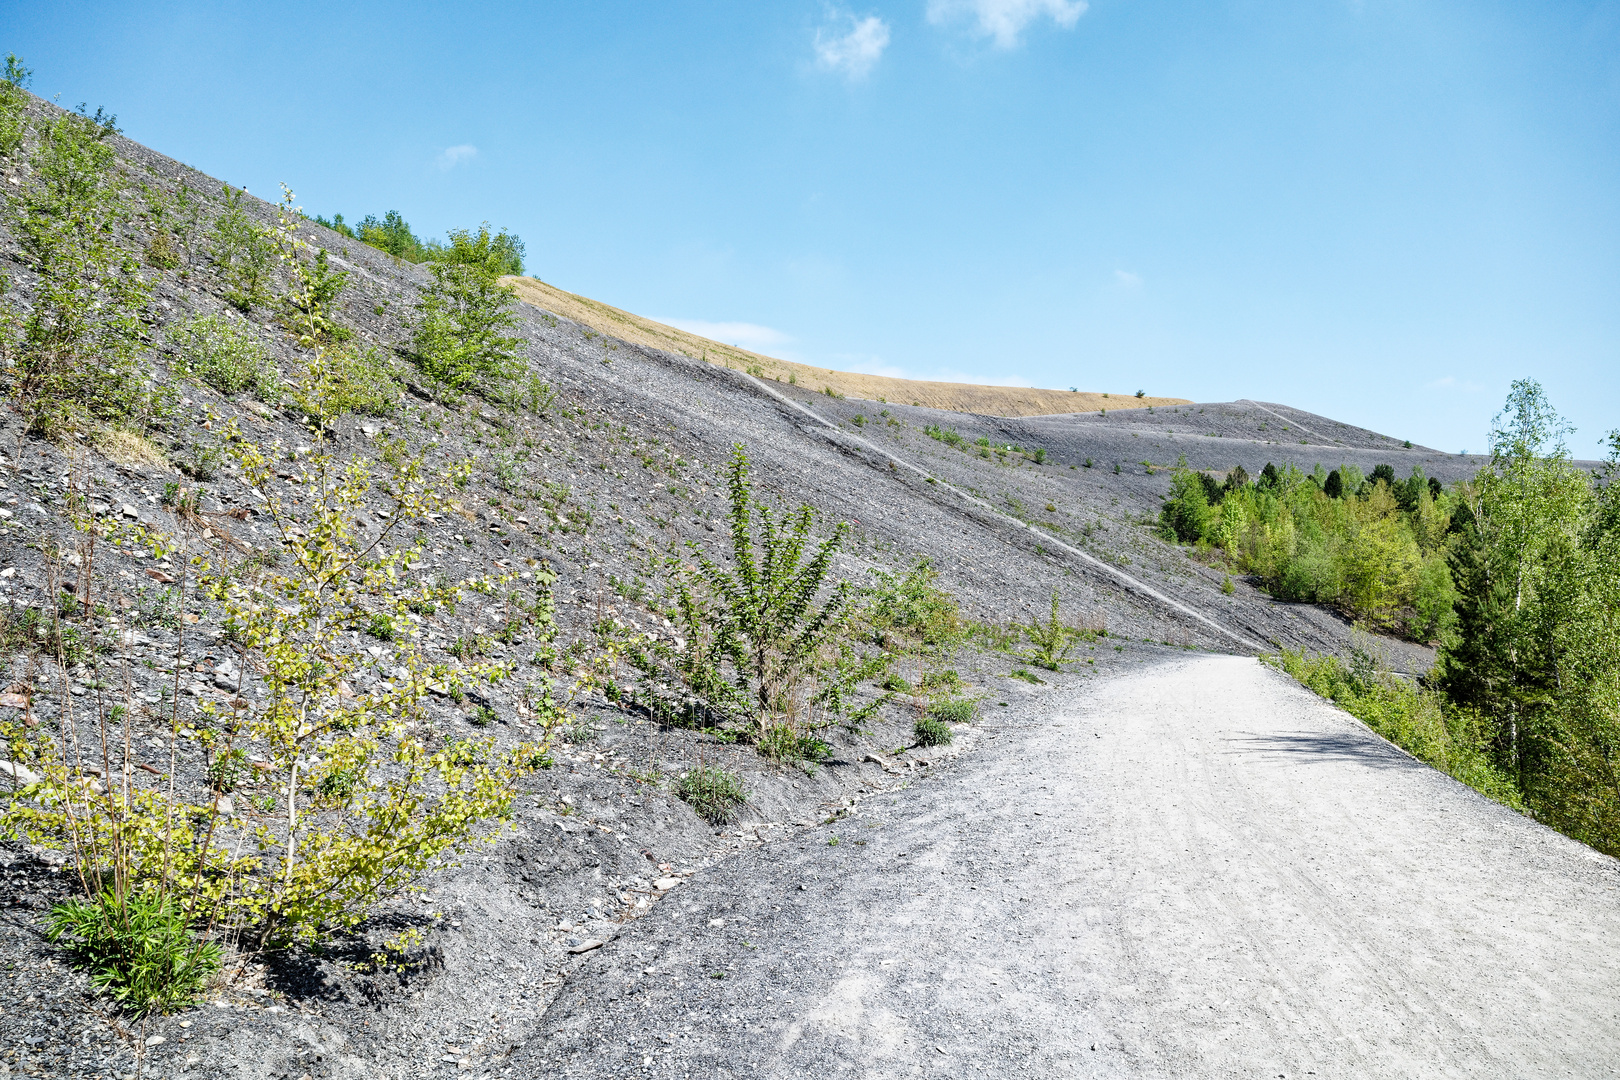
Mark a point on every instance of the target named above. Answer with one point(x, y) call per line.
point(1195, 870)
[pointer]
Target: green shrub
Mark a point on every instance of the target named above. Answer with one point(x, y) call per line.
point(781, 742)
point(911, 613)
point(755, 634)
point(1052, 641)
point(243, 252)
point(13, 105)
point(954, 710)
point(310, 308)
point(345, 380)
point(1026, 676)
point(458, 340)
point(225, 354)
point(70, 362)
point(932, 731)
point(227, 769)
point(714, 793)
point(392, 234)
point(136, 948)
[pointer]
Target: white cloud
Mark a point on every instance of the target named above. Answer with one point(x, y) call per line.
point(857, 52)
point(1004, 20)
point(452, 156)
point(1128, 280)
point(750, 336)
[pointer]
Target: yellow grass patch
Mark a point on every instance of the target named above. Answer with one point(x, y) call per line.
point(128, 448)
point(956, 397)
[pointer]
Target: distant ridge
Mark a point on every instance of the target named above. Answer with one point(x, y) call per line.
point(955, 397)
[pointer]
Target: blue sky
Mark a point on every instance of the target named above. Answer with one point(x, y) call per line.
point(1382, 211)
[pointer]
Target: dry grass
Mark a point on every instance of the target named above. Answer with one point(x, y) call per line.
point(128, 448)
point(956, 397)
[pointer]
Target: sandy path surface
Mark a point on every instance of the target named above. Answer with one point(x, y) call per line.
point(1199, 869)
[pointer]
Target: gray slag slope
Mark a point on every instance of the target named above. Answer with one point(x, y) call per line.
point(1200, 870)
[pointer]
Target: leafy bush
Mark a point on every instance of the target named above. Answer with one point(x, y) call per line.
point(758, 646)
point(310, 308)
point(346, 380)
point(70, 362)
point(1362, 552)
point(714, 793)
point(1052, 641)
point(458, 341)
point(910, 613)
point(243, 252)
point(392, 234)
point(225, 354)
point(13, 105)
point(137, 948)
point(781, 742)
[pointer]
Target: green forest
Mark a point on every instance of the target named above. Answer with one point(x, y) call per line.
point(1513, 574)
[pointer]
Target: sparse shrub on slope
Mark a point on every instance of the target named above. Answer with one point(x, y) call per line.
point(768, 641)
point(70, 359)
point(225, 354)
point(459, 341)
point(714, 793)
point(350, 801)
point(243, 253)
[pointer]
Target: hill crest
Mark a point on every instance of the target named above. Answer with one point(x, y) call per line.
point(948, 396)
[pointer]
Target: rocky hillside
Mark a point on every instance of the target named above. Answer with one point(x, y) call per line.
point(589, 494)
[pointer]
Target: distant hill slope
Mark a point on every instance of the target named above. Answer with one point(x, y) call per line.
point(952, 397)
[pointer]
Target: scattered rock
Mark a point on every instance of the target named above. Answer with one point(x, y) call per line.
point(664, 884)
point(587, 945)
point(21, 773)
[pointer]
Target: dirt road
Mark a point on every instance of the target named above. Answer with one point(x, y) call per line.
point(1195, 870)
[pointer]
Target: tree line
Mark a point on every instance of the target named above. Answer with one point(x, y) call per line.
point(1514, 574)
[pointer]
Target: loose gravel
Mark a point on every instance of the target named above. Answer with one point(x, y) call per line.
point(1195, 870)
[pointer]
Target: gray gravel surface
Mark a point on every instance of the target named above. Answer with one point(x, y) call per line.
point(1199, 869)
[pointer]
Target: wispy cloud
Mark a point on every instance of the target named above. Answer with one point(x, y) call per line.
point(856, 52)
point(1004, 20)
point(744, 335)
point(1128, 280)
point(451, 156)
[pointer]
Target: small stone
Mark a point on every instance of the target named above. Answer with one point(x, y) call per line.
point(155, 1040)
point(10, 571)
point(129, 511)
point(22, 774)
point(664, 884)
point(587, 945)
point(715, 924)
